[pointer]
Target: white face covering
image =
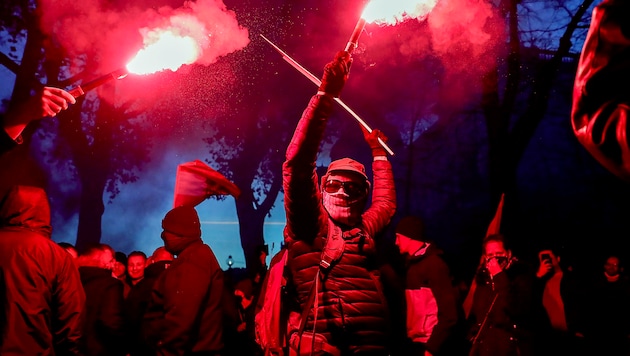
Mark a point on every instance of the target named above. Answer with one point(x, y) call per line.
point(342, 208)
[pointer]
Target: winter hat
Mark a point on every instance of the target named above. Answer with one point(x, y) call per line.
point(411, 227)
point(182, 221)
point(347, 164)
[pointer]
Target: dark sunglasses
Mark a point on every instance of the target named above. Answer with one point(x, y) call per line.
point(353, 189)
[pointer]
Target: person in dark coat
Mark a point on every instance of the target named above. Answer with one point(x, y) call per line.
point(433, 315)
point(500, 319)
point(330, 236)
point(104, 329)
point(41, 297)
point(138, 299)
point(184, 316)
point(47, 102)
point(608, 310)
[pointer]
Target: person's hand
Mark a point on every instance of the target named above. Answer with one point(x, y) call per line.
point(544, 268)
point(47, 102)
point(372, 139)
point(52, 101)
point(336, 74)
point(493, 266)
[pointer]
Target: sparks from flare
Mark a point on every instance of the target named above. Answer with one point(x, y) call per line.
point(165, 50)
point(387, 12)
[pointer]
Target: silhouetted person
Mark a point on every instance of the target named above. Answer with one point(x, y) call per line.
point(104, 329)
point(185, 316)
point(609, 310)
point(41, 299)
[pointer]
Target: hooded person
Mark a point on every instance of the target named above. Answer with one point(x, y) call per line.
point(184, 315)
point(41, 298)
point(330, 236)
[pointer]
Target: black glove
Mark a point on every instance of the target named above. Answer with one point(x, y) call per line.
point(372, 140)
point(336, 74)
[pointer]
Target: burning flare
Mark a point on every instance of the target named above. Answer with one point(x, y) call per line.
point(166, 50)
point(388, 12)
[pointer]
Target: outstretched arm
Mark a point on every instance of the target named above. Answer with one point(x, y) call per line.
point(301, 192)
point(47, 102)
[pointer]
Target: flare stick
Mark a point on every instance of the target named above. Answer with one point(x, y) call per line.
point(353, 42)
point(318, 82)
point(80, 90)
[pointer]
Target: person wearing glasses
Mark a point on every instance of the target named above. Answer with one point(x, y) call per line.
point(337, 302)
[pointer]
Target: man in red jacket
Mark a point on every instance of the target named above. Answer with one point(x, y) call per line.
point(331, 237)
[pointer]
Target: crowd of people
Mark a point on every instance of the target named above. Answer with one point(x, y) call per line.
point(178, 301)
point(329, 291)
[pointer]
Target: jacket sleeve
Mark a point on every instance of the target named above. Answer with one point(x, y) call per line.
point(601, 94)
point(383, 206)
point(70, 300)
point(299, 177)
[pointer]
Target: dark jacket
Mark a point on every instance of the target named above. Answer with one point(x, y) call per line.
point(601, 94)
point(136, 305)
point(505, 302)
point(184, 316)
point(352, 312)
point(573, 294)
point(42, 291)
point(104, 330)
point(432, 310)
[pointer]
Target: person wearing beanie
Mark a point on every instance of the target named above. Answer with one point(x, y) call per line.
point(184, 314)
point(433, 317)
point(330, 220)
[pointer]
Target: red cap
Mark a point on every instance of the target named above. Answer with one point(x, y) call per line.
point(347, 164)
